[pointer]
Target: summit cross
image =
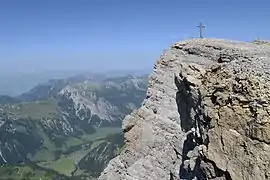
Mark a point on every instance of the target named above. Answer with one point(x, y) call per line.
point(201, 26)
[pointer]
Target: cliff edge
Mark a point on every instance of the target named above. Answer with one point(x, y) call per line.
point(206, 116)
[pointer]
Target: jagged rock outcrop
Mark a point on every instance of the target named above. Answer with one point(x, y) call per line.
point(206, 116)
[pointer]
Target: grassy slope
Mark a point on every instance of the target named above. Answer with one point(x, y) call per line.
point(33, 110)
point(63, 165)
point(48, 156)
point(27, 173)
point(67, 163)
point(96, 160)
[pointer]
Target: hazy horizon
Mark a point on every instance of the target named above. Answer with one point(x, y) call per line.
point(14, 84)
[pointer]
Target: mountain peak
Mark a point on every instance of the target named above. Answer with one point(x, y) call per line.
point(67, 124)
point(205, 115)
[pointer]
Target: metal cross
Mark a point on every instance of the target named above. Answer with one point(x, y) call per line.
point(201, 26)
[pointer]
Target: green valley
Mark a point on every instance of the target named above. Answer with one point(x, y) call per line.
point(66, 129)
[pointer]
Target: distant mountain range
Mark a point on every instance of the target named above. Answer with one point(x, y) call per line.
point(70, 126)
point(14, 84)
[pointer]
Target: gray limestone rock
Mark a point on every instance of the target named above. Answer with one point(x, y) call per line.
point(206, 116)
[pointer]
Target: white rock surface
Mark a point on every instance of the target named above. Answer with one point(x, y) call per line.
point(206, 116)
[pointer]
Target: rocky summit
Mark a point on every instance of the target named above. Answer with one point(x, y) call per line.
point(206, 116)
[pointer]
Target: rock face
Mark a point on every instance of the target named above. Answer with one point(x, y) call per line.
point(206, 116)
point(108, 101)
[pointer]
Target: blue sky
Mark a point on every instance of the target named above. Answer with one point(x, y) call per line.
point(40, 35)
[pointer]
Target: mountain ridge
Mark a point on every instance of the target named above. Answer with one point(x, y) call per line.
point(16, 83)
point(206, 102)
point(77, 116)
